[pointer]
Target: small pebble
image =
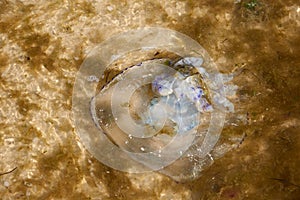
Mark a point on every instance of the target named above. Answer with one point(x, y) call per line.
point(6, 184)
point(110, 8)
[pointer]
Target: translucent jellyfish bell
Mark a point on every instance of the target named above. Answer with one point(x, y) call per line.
point(156, 96)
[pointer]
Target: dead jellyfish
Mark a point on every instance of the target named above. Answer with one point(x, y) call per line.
point(156, 102)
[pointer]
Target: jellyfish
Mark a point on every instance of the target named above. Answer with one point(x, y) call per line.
point(159, 103)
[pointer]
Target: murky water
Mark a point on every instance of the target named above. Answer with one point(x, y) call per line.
point(43, 45)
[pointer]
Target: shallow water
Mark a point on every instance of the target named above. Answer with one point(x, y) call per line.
point(43, 45)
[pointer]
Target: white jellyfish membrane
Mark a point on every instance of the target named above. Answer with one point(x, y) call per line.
point(103, 119)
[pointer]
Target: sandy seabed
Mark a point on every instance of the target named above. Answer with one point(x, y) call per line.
point(42, 45)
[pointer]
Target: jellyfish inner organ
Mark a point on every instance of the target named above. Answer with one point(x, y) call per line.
point(183, 99)
point(152, 99)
